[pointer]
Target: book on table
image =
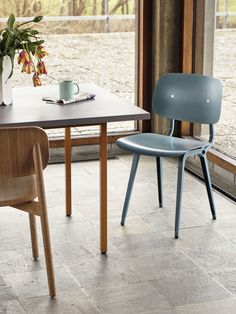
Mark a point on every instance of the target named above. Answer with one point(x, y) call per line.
point(79, 98)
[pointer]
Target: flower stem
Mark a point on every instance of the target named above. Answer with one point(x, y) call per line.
point(31, 21)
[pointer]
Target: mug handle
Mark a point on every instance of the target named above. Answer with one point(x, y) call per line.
point(77, 86)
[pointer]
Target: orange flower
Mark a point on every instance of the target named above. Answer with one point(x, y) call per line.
point(40, 52)
point(23, 57)
point(36, 80)
point(41, 68)
point(28, 67)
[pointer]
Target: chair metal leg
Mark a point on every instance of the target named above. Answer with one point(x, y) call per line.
point(159, 180)
point(34, 239)
point(179, 194)
point(130, 187)
point(207, 178)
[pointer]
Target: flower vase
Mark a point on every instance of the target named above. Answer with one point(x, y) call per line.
point(5, 83)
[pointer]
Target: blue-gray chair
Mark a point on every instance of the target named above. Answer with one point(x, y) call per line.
point(184, 97)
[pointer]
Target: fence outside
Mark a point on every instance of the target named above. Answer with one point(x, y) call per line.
point(106, 18)
point(223, 21)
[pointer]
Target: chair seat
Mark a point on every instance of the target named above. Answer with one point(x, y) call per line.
point(153, 144)
point(17, 190)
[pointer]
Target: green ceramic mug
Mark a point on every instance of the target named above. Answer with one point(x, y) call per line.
point(67, 89)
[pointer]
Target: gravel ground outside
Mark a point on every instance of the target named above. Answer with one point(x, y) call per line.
point(225, 70)
point(108, 60)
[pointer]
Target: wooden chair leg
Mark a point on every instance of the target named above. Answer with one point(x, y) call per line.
point(34, 238)
point(44, 219)
point(48, 252)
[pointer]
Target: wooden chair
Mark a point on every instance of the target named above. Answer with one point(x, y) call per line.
point(24, 154)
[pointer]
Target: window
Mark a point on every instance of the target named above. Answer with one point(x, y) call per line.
point(87, 41)
point(224, 68)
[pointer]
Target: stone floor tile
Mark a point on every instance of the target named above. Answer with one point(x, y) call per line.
point(160, 264)
point(202, 237)
point(142, 245)
point(15, 236)
point(227, 230)
point(105, 272)
point(69, 255)
point(131, 298)
point(73, 230)
point(31, 284)
point(7, 294)
point(19, 260)
point(11, 307)
point(158, 311)
point(225, 306)
point(210, 259)
point(164, 219)
point(135, 225)
point(71, 302)
point(186, 287)
point(227, 277)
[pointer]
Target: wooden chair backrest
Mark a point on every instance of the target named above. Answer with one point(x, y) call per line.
point(16, 150)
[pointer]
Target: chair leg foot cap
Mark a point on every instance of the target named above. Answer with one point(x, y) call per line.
point(122, 223)
point(176, 237)
point(214, 217)
point(160, 205)
point(53, 296)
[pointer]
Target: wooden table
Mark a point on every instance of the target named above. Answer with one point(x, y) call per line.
point(29, 109)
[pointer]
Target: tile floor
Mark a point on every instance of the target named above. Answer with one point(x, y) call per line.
point(145, 270)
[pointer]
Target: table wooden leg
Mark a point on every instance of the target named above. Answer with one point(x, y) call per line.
point(103, 188)
point(68, 170)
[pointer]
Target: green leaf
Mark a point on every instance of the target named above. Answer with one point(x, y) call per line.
point(1, 66)
point(11, 21)
point(16, 44)
point(33, 32)
point(37, 42)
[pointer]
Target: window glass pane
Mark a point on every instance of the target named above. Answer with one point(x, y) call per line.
point(220, 61)
point(225, 70)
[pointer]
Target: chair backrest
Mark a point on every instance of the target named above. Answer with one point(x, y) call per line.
point(16, 150)
point(188, 97)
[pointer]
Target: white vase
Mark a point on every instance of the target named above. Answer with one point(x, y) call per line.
point(5, 83)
